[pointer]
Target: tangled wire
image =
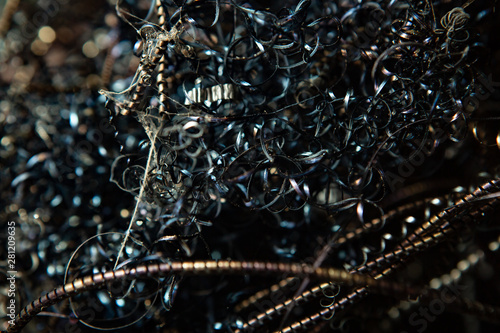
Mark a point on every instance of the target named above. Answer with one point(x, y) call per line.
point(256, 136)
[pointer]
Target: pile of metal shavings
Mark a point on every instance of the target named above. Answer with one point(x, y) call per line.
point(360, 135)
